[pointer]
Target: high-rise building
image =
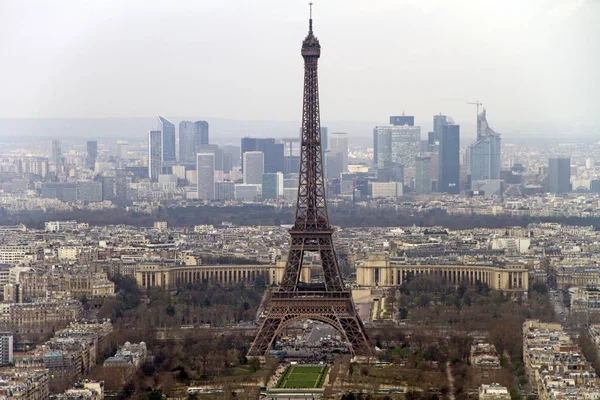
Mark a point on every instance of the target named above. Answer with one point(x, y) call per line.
point(254, 167)
point(168, 141)
point(192, 137)
point(201, 133)
point(292, 164)
point(334, 165)
point(439, 121)
point(423, 175)
point(213, 148)
point(56, 152)
point(559, 175)
point(122, 149)
point(205, 175)
point(121, 184)
point(235, 154)
point(272, 185)
point(224, 190)
point(155, 163)
point(484, 154)
point(6, 348)
point(338, 143)
point(396, 144)
point(324, 138)
point(187, 146)
point(449, 160)
point(273, 153)
point(92, 154)
point(402, 120)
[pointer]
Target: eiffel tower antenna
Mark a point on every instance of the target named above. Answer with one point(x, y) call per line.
point(295, 300)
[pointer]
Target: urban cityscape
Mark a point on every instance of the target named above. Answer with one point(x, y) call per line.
point(429, 258)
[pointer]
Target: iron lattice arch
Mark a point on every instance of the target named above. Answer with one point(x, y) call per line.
point(330, 303)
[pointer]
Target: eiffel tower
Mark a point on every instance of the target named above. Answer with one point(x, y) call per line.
point(329, 302)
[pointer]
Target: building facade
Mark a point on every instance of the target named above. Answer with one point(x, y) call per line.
point(155, 164)
point(395, 144)
point(380, 270)
point(167, 129)
point(272, 185)
point(205, 169)
point(559, 175)
point(449, 160)
point(254, 167)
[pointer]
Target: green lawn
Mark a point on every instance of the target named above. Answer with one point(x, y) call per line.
point(299, 376)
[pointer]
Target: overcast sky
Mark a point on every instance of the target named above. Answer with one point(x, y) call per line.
point(528, 61)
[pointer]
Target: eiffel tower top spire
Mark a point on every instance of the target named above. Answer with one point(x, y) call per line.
point(310, 45)
point(310, 18)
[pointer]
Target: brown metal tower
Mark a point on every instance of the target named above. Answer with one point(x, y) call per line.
point(294, 300)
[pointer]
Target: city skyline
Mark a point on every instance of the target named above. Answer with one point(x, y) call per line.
point(504, 61)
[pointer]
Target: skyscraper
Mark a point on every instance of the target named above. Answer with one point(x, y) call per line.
point(439, 121)
point(201, 133)
point(396, 144)
point(272, 185)
point(559, 175)
point(449, 159)
point(187, 146)
point(92, 154)
point(213, 148)
point(402, 120)
point(122, 149)
point(168, 141)
point(235, 152)
point(334, 165)
point(254, 162)
point(485, 152)
point(324, 138)
point(205, 175)
point(56, 152)
point(338, 143)
point(155, 152)
point(423, 175)
point(273, 152)
point(192, 136)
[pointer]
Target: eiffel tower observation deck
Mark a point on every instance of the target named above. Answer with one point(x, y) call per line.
point(329, 302)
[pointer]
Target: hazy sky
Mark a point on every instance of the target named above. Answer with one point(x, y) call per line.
point(528, 61)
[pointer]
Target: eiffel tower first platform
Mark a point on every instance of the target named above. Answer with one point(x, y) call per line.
point(294, 300)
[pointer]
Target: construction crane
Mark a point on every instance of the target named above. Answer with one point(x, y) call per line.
point(476, 103)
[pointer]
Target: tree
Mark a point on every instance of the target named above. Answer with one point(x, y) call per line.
point(156, 395)
point(259, 282)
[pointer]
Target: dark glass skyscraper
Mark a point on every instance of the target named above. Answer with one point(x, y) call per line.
point(201, 133)
point(402, 120)
point(168, 140)
point(559, 175)
point(449, 159)
point(92, 154)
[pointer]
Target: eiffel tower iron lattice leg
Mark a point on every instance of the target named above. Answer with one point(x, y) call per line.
point(337, 312)
point(294, 300)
